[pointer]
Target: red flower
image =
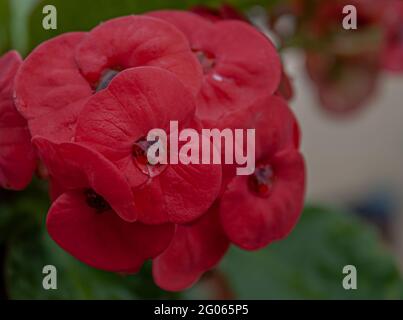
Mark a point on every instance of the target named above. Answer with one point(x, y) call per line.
point(61, 74)
point(17, 159)
point(136, 41)
point(195, 248)
point(116, 122)
point(227, 12)
point(240, 64)
point(258, 209)
point(86, 218)
point(72, 166)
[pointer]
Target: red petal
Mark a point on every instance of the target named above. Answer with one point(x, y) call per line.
point(135, 41)
point(195, 249)
point(181, 194)
point(187, 22)
point(17, 159)
point(50, 91)
point(275, 124)
point(253, 222)
point(246, 67)
point(103, 240)
point(72, 166)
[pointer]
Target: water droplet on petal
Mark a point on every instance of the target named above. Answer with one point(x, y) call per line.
point(139, 153)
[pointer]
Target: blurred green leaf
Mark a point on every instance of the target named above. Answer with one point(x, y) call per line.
point(29, 252)
point(4, 26)
point(309, 263)
point(82, 15)
point(22, 210)
point(20, 13)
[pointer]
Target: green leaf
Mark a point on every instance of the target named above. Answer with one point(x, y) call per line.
point(309, 263)
point(82, 15)
point(4, 26)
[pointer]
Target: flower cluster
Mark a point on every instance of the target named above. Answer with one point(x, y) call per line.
point(86, 101)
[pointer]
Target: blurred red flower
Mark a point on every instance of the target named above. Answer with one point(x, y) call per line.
point(224, 12)
point(17, 159)
point(392, 56)
point(344, 83)
point(343, 64)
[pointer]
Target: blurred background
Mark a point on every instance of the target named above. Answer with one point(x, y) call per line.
point(345, 88)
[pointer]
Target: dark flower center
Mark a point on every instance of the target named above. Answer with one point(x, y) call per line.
point(206, 59)
point(106, 78)
point(96, 201)
point(261, 181)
